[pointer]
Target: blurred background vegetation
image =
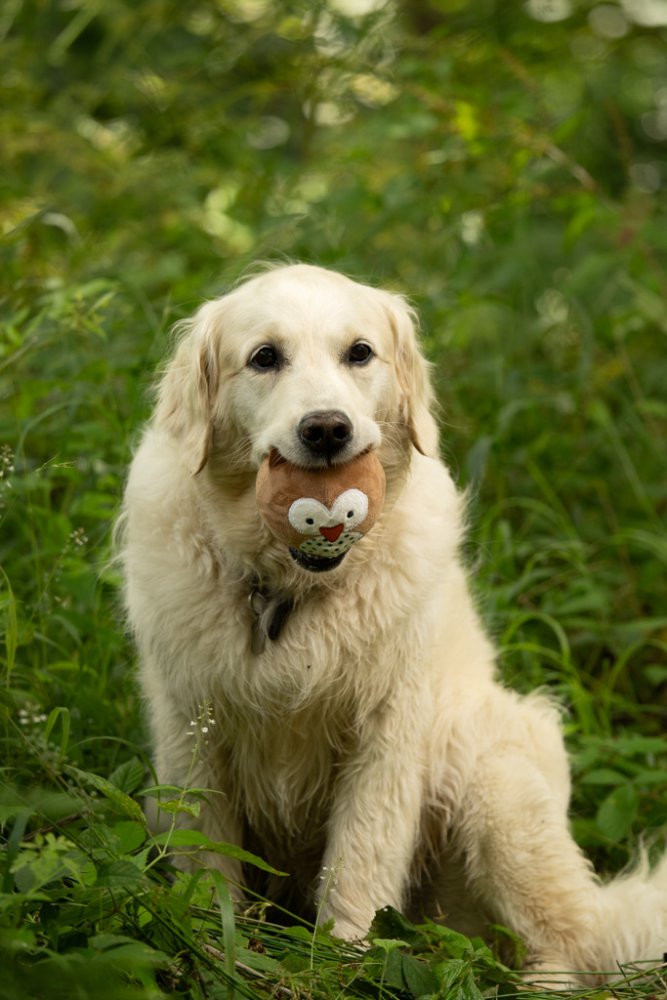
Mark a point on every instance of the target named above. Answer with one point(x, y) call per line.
point(502, 164)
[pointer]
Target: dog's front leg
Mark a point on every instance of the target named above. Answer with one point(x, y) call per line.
point(374, 824)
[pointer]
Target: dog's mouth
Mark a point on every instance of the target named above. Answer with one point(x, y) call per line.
point(275, 457)
point(315, 564)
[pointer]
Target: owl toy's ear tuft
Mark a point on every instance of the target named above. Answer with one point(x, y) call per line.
point(320, 513)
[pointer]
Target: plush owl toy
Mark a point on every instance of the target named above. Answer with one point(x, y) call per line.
point(320, 513)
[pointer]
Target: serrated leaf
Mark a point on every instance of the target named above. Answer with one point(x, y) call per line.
point(453, 943)
point(389, 944)
point(392, 972)
point(129, 836)
point(389, 923)
point(122, 801)
point(119, 874)
point(292, 962)
point(176, 806)
point(448, 973)
point(418, 977)
point(128, 776)
point(469, 988)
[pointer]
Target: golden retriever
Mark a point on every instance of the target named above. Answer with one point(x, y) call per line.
point(358, 736)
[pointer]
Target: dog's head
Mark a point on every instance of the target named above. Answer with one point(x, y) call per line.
point(302, 361)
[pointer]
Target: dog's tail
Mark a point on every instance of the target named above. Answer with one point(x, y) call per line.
point(632, 935)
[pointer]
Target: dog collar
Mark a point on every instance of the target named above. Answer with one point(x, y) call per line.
point(270, 614)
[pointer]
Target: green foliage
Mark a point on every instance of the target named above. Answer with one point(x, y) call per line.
point(502, 164)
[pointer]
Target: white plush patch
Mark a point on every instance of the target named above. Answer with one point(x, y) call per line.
point(313, 518)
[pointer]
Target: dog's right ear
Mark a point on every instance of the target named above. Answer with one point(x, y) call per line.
point(188, 389)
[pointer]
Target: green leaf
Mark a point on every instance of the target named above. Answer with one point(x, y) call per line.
point(651, 776)
point(632, 745)
point(106, 940)
point(656, 674)
point(449, 973)
point(11, 625)
point(419, 978)
point(129, 775)
point(603, 776)
point(17, 939)
point(199, 840)
point(388, 923)
point(129, 835)
point(127, 951)
point(122, 801)
point(228, 922)
point(617, 813)
point(65, 721)
point(119, 874)
point(180, 806)
point(388, 944)
point(392, 971)
point(259, 960)
point(454, 944)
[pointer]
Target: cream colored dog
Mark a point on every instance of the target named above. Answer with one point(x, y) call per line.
point(359, 729)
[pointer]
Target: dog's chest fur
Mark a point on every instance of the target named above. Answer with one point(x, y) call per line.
point(283, 769)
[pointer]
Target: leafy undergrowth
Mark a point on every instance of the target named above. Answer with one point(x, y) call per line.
point(92, 907)
point(501, 164)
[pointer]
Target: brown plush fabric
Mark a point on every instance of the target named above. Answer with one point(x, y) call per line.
point(320, 511)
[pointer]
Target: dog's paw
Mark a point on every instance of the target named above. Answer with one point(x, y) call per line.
point(549, 974)
point(343, 928)
point(352, 934)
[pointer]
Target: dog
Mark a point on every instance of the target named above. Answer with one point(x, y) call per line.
point(357, 734)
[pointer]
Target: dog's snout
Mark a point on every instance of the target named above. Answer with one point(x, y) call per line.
point(325, 432)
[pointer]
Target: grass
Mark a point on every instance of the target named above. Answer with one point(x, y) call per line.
point(496, 168)
point(89, 905)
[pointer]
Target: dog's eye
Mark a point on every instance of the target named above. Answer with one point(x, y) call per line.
point(360, 353)
point(265, 358)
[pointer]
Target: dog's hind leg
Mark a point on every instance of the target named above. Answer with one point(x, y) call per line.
point(522, 864)
point(509, 822)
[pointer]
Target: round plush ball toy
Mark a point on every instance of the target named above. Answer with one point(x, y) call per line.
point(320, 513)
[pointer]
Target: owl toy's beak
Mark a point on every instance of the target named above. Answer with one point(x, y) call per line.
point(331, 534)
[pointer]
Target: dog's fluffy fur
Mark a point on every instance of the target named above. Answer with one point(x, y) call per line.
point(371, 740)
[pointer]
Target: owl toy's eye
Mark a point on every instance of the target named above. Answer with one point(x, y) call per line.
point(265, 358)
point(306, 515)
point(359, 354)
point(351, 508)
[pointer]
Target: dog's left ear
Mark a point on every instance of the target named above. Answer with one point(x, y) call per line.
point(417, 396)
point(187, 392)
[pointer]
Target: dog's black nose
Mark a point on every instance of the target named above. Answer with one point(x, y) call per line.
point(325, 432)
